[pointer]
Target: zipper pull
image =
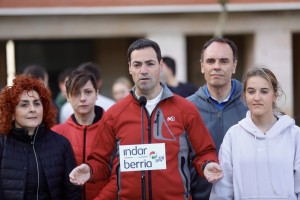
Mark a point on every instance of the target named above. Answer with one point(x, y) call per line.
point(157, 117)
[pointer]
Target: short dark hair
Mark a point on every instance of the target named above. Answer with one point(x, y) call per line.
point(91, 67)
point(170, 63)
point(36, 71)
point(221, 40)
point(77, 79)
point(141, 44)
point(63, 75)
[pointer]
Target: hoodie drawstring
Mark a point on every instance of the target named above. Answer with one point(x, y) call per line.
point(209, 112)
point(256, 165)
point(269, 166)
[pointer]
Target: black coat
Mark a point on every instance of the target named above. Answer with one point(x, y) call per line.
point(56, 157)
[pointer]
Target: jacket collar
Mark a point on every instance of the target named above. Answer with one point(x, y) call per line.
point(236, 93)
point(167, 93)
point(21, 134)
point(99, 111)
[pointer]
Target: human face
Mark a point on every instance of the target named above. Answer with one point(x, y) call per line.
point(259, 96)
point(145, 70)
point(83, 101)
point(119, 91)
point(218, 65)
point(29, 111)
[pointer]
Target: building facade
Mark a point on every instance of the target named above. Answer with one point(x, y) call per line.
point(64, 33)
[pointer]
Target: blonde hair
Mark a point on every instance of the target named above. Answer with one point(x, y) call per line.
point(269, 76)
point(124, 81)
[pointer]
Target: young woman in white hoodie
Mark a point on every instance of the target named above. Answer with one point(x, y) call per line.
point(260, 156)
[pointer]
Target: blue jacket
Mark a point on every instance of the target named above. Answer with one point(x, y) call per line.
point(55, 158)
point(217, 122)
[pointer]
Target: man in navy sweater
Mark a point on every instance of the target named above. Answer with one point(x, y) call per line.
point(218, 101)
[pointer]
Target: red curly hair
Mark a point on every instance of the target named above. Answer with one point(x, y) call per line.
point(10, 97)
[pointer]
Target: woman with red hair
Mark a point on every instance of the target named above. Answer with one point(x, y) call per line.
point(35, 162)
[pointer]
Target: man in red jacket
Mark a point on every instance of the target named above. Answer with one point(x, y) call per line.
point(155, 132)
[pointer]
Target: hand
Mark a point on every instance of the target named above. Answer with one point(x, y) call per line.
point(213, 172)
point(80, 174)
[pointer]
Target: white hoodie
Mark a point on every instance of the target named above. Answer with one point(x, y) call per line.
point(258, 166)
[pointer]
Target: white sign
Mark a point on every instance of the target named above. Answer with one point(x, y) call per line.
point(142, 157)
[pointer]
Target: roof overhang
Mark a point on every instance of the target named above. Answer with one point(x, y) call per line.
point(165, 9)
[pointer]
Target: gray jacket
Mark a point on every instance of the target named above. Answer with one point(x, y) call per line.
point(217, 122)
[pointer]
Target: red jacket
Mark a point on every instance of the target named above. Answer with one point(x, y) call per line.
point(81, 138)
point(175, 122)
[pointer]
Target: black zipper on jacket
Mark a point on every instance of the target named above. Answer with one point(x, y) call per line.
point(37, 164)
point(149, 117)
point(84, 145)
point(143, 177)
point(149, 142)
point(83, 158)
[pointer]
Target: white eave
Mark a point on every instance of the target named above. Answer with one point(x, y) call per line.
point(161, 9)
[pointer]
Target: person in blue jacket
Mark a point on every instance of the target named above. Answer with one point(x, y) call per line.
point(35, 162)
point(219, 101)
